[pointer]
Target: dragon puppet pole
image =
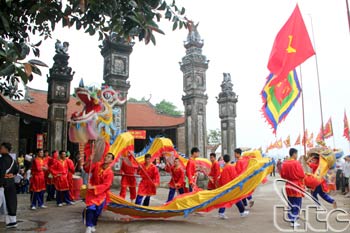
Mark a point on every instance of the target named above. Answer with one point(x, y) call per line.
point(303, 109)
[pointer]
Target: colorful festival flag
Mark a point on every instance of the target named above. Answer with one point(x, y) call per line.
point(292, 47)
point(346, 128)
point(328, 129)
point(279, 99)
point(319, 137)
point(297, 142)
point(279, 144)
point(305, 138)
point(310, 141)
point(287, 141)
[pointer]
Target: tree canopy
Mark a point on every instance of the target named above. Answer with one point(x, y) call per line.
point(167, 107)
point(20, 20)
point(214, 137)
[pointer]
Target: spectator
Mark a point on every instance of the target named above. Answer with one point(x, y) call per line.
point(339, 175)
point(20, 161)
point(346, 174)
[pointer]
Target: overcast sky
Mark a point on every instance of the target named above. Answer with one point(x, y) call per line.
point(238, 37)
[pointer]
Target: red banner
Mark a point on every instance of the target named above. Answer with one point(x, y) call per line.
point(138, 134)
point(39, 141)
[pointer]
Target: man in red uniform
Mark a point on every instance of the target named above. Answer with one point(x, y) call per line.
point(228, 174)
point(191, 172)
point(322, 188)
point(128, 169)
point(293, 172)
point(149, 183)
point(37, 180)
point(97, 192)
point(71, 171)
point(214, 172)
point(177, 181)
point(241, 165)
point(59, 170)
point(50, 187)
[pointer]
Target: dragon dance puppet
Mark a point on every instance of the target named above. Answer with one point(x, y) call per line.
point(98, 127)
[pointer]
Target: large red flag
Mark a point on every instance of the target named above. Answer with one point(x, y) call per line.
point(319, 137)
point(346, 127)
point(328, 129)
point(292, 47)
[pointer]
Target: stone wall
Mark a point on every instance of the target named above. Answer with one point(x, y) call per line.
point(9, 131)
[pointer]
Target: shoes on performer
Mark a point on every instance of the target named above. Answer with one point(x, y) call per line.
point(60, 205)
point(251, 204)
point(245, 213)
point(93, 229)
point(334, 204)
point(71, 203)
point(222, 216)
point(43, 207)
point(295, 224)
point(33, 208)
point(88, 230)
point(11, 225)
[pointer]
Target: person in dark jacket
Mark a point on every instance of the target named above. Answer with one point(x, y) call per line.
point(8, 170)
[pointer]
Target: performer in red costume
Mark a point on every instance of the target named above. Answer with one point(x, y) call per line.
point(293, 172)
point(191, 171)
point(71, 171)
point(128, 169)
point(59, 170)
point(50, 187)
point(228, 174)
point(97, 192)
point(177, 181)
point(241, 165)
point(214, 172)
point(149, 183)
point(322, 188)
point(37, 180)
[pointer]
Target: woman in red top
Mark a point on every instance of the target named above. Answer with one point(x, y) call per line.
point(37, 180)
point(177, 181)
point(322, 188)
point(97, 192)
point(149, 183)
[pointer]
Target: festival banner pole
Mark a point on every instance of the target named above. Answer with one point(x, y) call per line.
point(318, 75)
point(303, 109)
point(348, 12)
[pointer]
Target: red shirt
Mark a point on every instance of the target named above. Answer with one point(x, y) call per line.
point(147, 186)
point(191, 170)
point(228, 174)
point(214, 174)
point(102, 179)
point(242, 164)
point(128, 168)
point(37, 180)
point(59, 170)
point(293, 171)
point(177, 177)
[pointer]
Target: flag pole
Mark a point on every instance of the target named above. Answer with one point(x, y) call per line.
point(303, 109)
point(318, 75)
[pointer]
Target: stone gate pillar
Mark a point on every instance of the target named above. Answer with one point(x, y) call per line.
point(58, 97)
point(227, 112)
point(116, 53)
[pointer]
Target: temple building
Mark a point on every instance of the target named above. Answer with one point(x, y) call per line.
point(24, 123)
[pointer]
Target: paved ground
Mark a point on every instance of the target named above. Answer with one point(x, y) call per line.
point(68, 218)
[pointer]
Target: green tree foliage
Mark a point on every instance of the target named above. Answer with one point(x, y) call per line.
point(214, 137)
point(167, 107)
point(21, 19)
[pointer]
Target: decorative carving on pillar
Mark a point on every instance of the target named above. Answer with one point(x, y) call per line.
point(227, 112)
point(116, 53)
point(194, 65)
point(59, 78)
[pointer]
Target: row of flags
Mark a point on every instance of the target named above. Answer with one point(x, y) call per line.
point(308, 139)
point(292, 46)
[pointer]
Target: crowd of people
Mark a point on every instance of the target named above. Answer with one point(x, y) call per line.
point(53, 173)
